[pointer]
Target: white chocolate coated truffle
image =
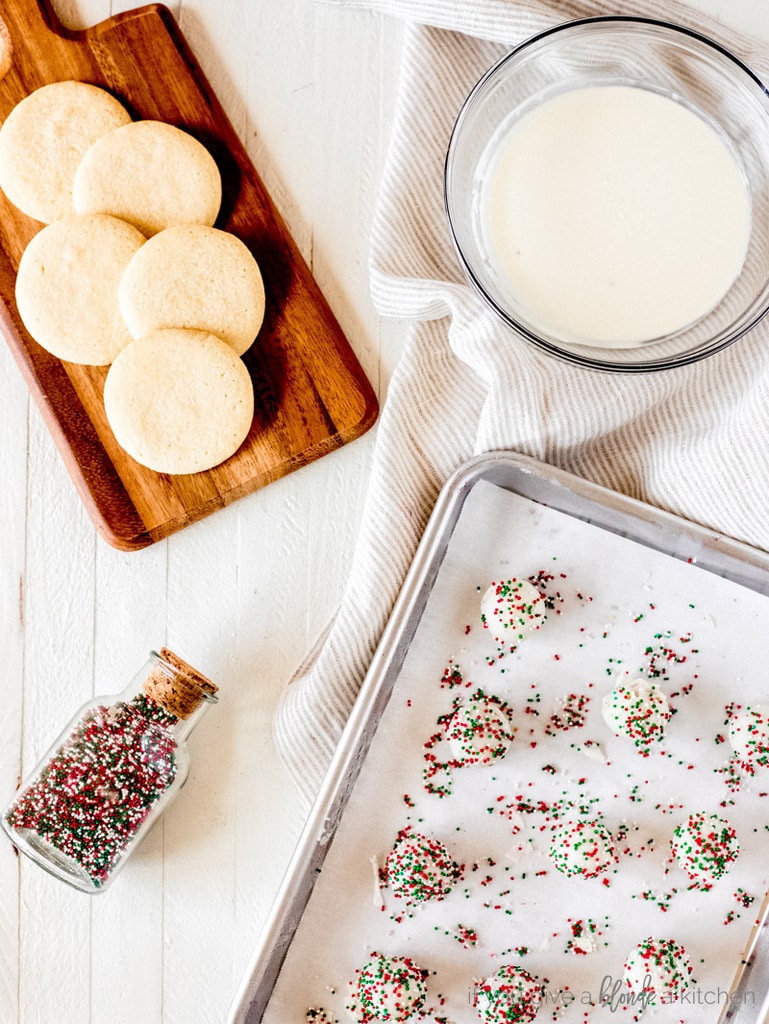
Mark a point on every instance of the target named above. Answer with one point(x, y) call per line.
point(659, 967)
point(705, 846)
point(390, 988)
point(583, 848)
point(510, 995)
point(512, 610)
point(637, 710)
point(480, 731)
point(749, 737)
point(420, 868)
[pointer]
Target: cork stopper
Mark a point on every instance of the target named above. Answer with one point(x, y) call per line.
point(176, 686)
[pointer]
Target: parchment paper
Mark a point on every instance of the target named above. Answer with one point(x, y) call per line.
point(618, 607)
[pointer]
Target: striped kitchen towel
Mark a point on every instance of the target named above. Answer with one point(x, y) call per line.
point(694, 441)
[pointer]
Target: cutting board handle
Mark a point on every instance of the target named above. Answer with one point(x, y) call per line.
point(31, 14)
point(29, 20)
point(28, 29)
point(39, 39)
point(41, 9)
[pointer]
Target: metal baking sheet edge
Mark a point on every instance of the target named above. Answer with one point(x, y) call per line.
point(573, 496)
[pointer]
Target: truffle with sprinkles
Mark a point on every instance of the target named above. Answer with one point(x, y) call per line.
point(637, 710)
point(565, 841)
point(420, 868)
point(582, 848)
point(512, 610)
point(705, 846)
point(390, 988)
point(749, 737)
point(480, 731)
point(659, 968)
point(510, 996)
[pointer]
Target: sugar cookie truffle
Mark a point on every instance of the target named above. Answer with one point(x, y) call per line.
point(582, 848)
point(637, 710)
point(480, 731)
point(705, 846)
point(420, 868)
point(660, 968)
point(390, 988)
point(512, 610)
point(749, 737)
point(511, 996)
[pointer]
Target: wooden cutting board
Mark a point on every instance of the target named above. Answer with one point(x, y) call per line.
point(311, 393)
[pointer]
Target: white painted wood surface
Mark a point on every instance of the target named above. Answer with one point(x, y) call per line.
point(242, 595)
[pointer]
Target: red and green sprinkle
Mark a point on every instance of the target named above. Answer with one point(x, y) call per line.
point(97, 789)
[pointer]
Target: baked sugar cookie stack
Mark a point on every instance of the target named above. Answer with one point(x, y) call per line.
point(129, 272)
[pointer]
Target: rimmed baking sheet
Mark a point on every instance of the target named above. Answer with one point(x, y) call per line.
point(633, 591)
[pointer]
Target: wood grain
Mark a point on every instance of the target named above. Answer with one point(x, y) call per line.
point(311, 393)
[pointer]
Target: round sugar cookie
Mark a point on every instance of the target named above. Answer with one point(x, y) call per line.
point(67, 287)
point(197, 277)
point(45, 137)
point(151, 174)
point(179, 401)
point(6, 50)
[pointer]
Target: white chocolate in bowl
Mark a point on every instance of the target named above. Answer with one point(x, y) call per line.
point(613, 215)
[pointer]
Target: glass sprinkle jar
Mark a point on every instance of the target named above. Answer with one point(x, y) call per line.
point(110, 774)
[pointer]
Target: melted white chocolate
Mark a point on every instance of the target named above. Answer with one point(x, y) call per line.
point(614, 215)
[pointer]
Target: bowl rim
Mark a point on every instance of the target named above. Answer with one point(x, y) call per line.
point(592, 362)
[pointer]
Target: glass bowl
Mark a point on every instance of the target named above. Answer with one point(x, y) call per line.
point(677, 64)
